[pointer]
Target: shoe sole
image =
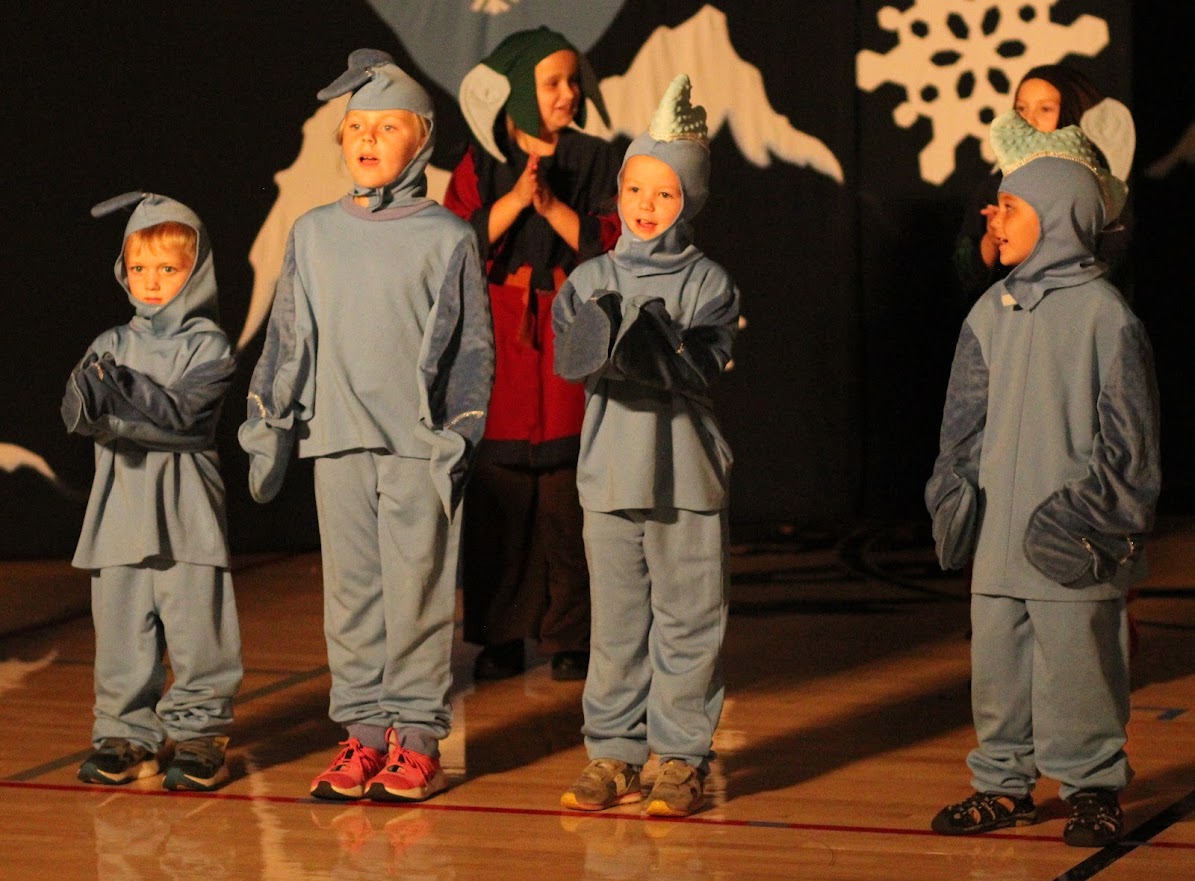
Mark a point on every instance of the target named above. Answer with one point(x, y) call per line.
point(660, 808)
point(1073, 841)
point(378, 791)
point(569, 800)
point(89, 773)
point(178, 780)
point(326, 791)
point(1005, 823)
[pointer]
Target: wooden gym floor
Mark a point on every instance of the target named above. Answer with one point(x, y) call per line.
point(846, 724)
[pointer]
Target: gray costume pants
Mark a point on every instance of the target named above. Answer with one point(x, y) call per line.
point(140, 613)
point(658, 585)
point(1049, 694)
point(390, 563)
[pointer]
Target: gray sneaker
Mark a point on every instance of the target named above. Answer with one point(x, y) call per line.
point(603, 784)
point(198, 764)
point(116, 761)
point(678, 790)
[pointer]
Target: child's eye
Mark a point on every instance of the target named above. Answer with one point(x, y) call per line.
point(168, 269)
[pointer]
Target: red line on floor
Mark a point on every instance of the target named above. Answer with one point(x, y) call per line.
point(541, 812)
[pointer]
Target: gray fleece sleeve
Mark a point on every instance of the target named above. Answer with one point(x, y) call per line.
point(1091, 528)
point(952, 493)
point(652, 351)
point(279, 382)
point(121, 402)
point(584, 332)
point(457, 371)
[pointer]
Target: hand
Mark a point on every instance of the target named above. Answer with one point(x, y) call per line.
point(989, 245)
point(543, 199)
point(528, 182)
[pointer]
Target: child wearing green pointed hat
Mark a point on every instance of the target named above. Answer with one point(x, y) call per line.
point(648, 327)
point(538, 193)
point(1047, 478)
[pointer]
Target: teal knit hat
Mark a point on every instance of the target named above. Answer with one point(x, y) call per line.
point(1016, 143)
point(505, 80)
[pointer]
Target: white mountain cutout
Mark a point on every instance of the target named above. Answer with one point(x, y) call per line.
point(731, 90)
point(13, 457)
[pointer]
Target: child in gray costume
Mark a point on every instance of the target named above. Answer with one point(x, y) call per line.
point(648, 327)
point(1048, 475)
point(378, 361)
point(148, 393)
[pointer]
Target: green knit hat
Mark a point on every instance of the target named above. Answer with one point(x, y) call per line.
point(505, 80)
point(1016, 143)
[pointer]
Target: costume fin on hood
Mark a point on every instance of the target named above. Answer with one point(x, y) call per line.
point(505, 80)
point(679, 138)
point(377, 83)
point(198, 297)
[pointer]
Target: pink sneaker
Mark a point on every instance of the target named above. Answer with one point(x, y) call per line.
point(345, 778)
point(408, 775)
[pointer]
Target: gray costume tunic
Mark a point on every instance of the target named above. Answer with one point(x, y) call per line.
point(648, 327)
point(1049, 474)
point(378, 360)
point(149, 392)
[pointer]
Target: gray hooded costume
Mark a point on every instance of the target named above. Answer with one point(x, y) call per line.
point(1049, 474)
point(1054, 506)
point(149, 392)
point(648, 327)
point(378, 360)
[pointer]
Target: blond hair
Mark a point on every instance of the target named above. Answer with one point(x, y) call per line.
point(423, 127)
point(168, 234)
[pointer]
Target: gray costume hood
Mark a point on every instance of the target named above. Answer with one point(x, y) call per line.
point(676, 137)
point(377, 83)
point(1075, 196)
point(197, 299)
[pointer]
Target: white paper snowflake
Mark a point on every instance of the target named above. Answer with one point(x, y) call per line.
point(493, 7)
point(960, 60)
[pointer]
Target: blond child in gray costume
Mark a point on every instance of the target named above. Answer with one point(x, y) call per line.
point(648, 327)
point(378, 362)
point(148, 393)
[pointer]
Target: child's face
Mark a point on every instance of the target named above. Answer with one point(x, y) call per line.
point(1016, 228)
point(156, 275)
point(557, 90)
point(378, 144)
point(1039, 104)
point(650, 197)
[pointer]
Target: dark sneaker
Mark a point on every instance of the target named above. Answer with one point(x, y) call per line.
point(1096, 819)
point(198, 764)
point(346, 777)
point(678, 790)
point(984, 812)
point(499, 662)
point(116, 761)
point(603, 784)
point(407, 775)
point(570, 666)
